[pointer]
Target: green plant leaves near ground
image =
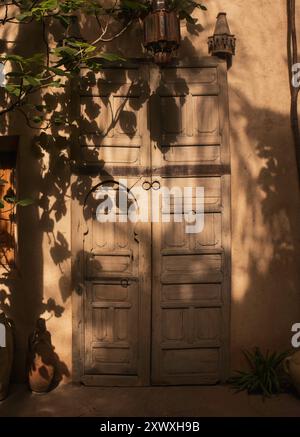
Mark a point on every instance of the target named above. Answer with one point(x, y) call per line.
point(264, 375)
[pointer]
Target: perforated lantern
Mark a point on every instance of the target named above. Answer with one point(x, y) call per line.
point(222, 43)
point(161, 32)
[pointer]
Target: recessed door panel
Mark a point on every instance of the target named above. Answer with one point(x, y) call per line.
point(112, 117)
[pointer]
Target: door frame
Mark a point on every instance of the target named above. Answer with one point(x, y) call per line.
point(77, 287)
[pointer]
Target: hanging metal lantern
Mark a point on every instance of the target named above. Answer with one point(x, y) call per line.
point(161, 32)
point(222, 43)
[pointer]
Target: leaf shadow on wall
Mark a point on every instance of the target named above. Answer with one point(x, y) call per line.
point(22, 285)
point(266, 239)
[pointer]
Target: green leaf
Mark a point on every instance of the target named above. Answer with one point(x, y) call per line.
point(15, 58)
point(78, 44)
point(3, 181)
point(65, 51)
point(9, 199)
point(25, 202)
point(58, 71)
point(49, 4)
point(13, 89)
point(37, 119)
point(32, 81)
point(90, 49)
point(24, 15)
point(37, 58)
point(112, 57)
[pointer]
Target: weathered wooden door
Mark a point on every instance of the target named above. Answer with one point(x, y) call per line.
point(112, 260)
point(190, 274)
point(151, 301)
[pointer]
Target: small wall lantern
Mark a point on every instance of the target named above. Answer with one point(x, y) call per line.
point(222, 43)
point(161, 32)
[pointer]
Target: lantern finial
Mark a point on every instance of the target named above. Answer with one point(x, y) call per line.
point(222, 43)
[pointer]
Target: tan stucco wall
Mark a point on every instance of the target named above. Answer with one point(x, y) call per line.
point(265, 200)
point(40, 286)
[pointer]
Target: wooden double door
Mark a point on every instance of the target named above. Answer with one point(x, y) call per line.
point(151, 300)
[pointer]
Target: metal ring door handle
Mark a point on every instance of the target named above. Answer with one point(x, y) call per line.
point(125, 283)
point(156, 185)
point(146, 185)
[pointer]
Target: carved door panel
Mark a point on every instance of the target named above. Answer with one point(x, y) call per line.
point(113, 118)
point(190, 117)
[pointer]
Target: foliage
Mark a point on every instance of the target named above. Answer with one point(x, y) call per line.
point(185, 8)
point(25, 79)
point(10, 201)
point(264, 374)
point(56, 65)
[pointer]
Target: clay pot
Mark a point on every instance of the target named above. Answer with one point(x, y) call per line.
point(291, 366)
point(41, 359)
point(6, 354)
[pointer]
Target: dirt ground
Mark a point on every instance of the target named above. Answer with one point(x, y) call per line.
point(214, 401)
